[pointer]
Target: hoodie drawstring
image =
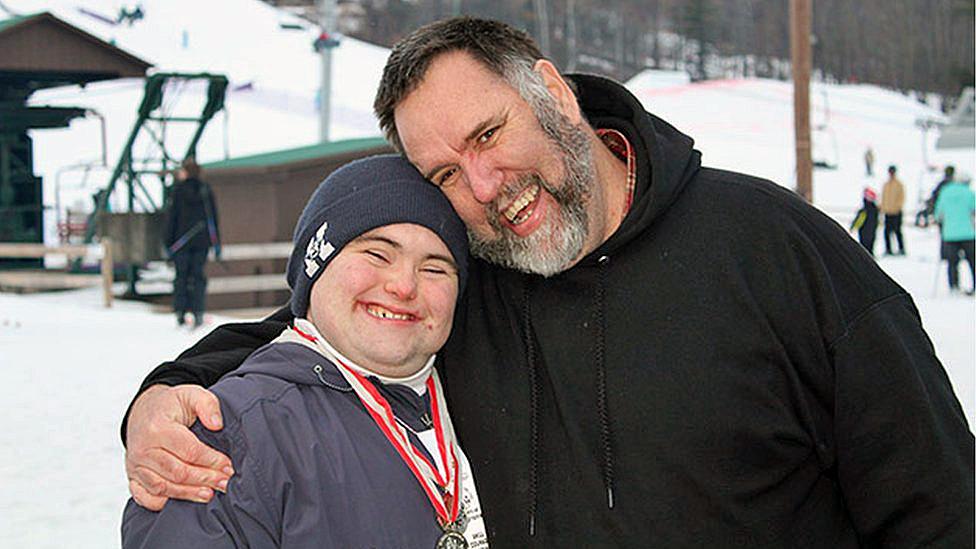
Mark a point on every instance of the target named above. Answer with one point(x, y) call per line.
point(533, 404)
point(599, 357)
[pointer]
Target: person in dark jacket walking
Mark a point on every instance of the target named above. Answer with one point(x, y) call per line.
point(866, 220)
point(617, 378)
point(190, 232)
point(924, 216)
point(338, 428)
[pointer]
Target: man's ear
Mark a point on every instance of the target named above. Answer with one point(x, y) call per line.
point(559, 89)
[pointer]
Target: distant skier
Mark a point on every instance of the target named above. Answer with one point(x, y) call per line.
point(191, 231)
point(954, 211)
point(869, 162)
point(948, 176)
point(866, 220)
point(892, 202)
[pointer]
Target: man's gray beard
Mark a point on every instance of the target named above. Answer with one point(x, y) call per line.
point(552, 247)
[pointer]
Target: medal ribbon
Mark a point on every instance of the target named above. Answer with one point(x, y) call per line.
point(442, 492)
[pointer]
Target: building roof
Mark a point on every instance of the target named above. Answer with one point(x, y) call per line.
point(40, 50)
point(299, 154)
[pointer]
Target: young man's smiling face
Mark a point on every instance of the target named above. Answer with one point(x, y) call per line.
point(386, 301)
point(523, 191)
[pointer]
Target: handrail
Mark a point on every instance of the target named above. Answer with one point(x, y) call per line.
point(36, 250)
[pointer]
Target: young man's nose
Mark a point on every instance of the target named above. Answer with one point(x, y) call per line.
point(402, 283)
point(484, 179)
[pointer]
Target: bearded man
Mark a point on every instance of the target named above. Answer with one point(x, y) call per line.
point(649, 352)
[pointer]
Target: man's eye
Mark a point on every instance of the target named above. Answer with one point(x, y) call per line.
point(446, 178)
point(436, 269)
point(376, 255)
point(486, 137)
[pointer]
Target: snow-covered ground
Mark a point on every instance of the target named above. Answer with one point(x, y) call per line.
point(70, 366)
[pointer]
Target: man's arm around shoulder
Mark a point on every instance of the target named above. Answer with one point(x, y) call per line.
point(163, 458)
point(237, 518)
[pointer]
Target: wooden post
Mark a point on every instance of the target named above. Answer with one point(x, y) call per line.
point(108, 270)
point(800, 15)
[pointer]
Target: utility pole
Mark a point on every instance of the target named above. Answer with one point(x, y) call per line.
point(800, 15)
point(571, 54)
point(324, 45)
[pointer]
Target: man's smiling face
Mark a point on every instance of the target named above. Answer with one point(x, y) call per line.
point(520, 178)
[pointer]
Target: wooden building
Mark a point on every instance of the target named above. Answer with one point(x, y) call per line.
point(259, 199)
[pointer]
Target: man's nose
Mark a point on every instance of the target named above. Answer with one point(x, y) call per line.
point(402, 283)
point(483, 177)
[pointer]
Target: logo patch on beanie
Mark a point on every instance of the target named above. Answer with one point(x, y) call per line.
point(319, 249)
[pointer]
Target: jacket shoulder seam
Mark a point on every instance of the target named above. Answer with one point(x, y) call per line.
point(860, 315)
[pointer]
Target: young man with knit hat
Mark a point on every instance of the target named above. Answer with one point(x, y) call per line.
point(338, 428)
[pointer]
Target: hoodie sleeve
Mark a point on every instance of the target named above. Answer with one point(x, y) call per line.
point(221, 351)
point(903, 448)
point(239, 518)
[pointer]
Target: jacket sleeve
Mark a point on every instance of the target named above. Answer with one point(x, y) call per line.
point(172, 211)
point(221, 351)
point(904, 452)
point(238, 518)
point(213, 216)
point(937, 211)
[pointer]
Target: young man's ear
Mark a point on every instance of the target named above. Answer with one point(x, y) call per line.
point(559, 89)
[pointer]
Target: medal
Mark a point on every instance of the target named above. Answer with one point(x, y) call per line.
point(443, 491)
point(453, 536)
point(451, 540)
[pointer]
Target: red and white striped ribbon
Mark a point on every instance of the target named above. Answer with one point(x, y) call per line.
point(442, 491)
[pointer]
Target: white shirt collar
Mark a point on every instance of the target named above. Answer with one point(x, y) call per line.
point(416, 381)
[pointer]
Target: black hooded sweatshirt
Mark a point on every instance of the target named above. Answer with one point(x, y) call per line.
point(729, 369)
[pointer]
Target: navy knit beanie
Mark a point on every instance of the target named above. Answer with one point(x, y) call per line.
point(359, 197)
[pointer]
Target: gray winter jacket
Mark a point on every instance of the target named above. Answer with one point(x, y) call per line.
point(312, 468)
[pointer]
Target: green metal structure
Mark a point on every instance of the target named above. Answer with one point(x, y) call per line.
point(21, 206)
point(137, 175)
point(130, 170)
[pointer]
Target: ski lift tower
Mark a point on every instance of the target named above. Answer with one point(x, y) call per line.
point(146, 180)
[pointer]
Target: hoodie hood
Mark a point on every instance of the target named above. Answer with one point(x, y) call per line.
point(607, 104)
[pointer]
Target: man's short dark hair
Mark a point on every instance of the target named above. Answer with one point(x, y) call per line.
point(892, 169)
point(496, 45)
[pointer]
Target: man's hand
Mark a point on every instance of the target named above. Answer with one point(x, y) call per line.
point(164, 459)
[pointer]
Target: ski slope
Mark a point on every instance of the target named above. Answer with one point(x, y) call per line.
point(70, 366)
